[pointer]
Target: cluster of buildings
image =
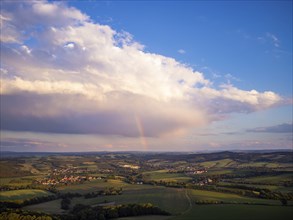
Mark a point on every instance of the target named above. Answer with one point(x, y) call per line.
point(189, 171)
point(67, 176)
point(70, 170)
point(66, 180)
point(203, 182)
point(130, 166)
point(197, 172)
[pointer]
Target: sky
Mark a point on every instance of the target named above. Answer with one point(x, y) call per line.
point(146, 75)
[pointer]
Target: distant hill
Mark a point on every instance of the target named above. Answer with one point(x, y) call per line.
point(281, 156)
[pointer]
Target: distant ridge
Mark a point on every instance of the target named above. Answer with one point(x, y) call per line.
point(5, 154)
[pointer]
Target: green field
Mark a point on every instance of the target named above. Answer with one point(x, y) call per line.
point(271, 179)
point(173, 200)
point(197, 195)
point(239, 212)
point(98, 185)
point(51, 207)
point(165, 176)
point(263, 164)
point(270, 187)
point(181, 203)
point(217, 171)
point(227, 212)
point(23, 194)
point(150, 217)
point(169, 199)
point(218, 163)
point(18, 181)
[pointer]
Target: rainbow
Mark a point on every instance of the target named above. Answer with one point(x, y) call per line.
point(141, 132)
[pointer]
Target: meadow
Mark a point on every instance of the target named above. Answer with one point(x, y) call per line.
point(232, 186)
point(176, 201)
point(92, 186)
point(239, 212)
point(51, 207)
point(277, 179)
point(21, 195)
point(164, 175)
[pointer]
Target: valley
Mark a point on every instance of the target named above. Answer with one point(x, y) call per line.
point(136, 185)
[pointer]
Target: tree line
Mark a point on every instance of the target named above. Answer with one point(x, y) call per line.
point(24, 215)
point(80, 211)
point(106, 192)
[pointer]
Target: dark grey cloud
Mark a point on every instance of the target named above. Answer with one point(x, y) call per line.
point(28, 144)
point(20, 142)
point(31, 112)
point(67, 114)
point(282, 128)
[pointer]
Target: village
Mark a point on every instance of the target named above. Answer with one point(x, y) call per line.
point(67, 176)
point(188, 170)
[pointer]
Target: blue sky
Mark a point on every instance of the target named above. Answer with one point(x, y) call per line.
point(146, 75)
point(226, 37)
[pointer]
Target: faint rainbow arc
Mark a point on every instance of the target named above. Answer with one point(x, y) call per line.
point(141, 132)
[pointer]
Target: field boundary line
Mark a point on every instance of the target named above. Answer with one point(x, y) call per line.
point(189, 201)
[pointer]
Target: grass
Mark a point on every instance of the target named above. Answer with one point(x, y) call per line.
point(18, 181)
point(239, 212)
point(179, 202)
point(284, 189)
point(92, 186)
point(101, 184)
point(14, 181)
point(227, 197)
point(51, 207)
point(147, 217)
point(27, 167)
point(262, 164)
point(165, 176)
point(176, 202)
point(271, 179)
point(218, 163)
point(131, 194)
point(169, 199)
point(172, 200)
point(270, 187)
point(217, 171)
point(22, 194)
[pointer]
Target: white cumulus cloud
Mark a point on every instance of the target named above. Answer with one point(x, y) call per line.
point(83, 77)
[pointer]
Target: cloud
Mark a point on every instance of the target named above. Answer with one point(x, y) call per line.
point(282, 128)
point(69, 45)
point(15, 144)
point(67, 74)
point(181, 51)
point(23, 19)
point(73, 114)
point(274, 40)
point(253, 145)
point(270, 39)
point(229, 77)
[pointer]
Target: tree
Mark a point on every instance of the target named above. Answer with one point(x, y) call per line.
point(101, 217)
point(65, 203)
point(112, 213)
point(284, 202)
